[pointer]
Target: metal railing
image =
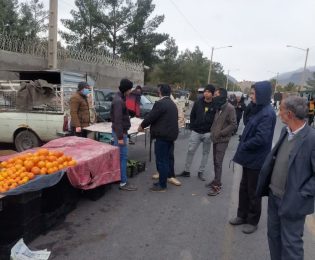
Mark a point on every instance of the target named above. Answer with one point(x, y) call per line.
point(38, 48)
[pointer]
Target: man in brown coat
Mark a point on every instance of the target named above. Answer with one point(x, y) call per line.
point(79, 109)
point(223, 126)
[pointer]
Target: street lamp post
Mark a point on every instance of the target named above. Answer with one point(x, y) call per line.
point(305, 63)
point(277, 75)
point(210, 66)
point(227, 79)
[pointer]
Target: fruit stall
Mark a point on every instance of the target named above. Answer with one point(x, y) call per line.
point(39, 187)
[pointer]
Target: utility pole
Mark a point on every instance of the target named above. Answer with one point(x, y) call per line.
point(52, 36)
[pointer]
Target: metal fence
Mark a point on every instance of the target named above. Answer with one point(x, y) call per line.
point(39, 48)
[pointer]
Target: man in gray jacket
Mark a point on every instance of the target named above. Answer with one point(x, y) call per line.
point(288, 178)
point(223, 126)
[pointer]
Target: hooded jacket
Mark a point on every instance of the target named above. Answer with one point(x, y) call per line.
point(256, 139)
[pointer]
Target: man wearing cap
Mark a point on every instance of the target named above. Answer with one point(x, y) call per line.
point(120, 126)
point(79, 109)
point(224, 124)
point(201, 118)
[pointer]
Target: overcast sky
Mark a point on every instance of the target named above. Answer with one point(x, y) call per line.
point(258, 30)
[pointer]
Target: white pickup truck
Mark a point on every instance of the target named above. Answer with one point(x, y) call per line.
point(26, 119)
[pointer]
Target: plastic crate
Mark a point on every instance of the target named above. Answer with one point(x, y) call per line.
point(28, 231)
point(19, 208)
point(105, 138)
point(52, 198)
point(96, 193)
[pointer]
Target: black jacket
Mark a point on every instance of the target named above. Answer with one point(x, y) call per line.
point(202, 116)
point(119, 115)
point(163, 119)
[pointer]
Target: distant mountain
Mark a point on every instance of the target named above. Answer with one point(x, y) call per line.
point(231, 79)
point(295, 76)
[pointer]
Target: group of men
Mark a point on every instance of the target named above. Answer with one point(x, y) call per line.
point(286, 173)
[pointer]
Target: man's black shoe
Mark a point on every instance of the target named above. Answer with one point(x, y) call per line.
point(184, 174)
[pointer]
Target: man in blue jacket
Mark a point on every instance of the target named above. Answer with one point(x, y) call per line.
point(163, 119)
point(254, 146)
point(288, 178)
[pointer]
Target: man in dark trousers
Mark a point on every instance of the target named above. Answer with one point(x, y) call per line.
point(288, 178)
point(224, 124)
point(201, 118)
point(163, 119)
point(120, 126)
point(254, 146)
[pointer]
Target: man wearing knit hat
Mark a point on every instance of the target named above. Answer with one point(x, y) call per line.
point(120, 126)
point(201, 118)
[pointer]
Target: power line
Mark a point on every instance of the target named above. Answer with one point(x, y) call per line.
point(189, 23)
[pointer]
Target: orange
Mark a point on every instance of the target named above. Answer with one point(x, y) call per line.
point(41, 164)
point(35, 170)
point(43, 171)
point(72, 163)
point(43, 151)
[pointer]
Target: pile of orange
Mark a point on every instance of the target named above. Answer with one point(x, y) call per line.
point(20, 169)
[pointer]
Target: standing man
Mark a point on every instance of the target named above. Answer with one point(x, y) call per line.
point(120, 126)
point(223, 126)
point(288, 177)
point(79, 110)
point(254, 146)
point(239, 109)
point(163, 119)
point(201, 118)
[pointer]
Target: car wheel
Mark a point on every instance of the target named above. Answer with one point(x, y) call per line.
point(26, 139)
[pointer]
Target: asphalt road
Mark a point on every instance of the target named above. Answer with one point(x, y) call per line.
point(182, 223)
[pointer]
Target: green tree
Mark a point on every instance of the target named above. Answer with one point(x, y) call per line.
point(141, 36)
point(114, 20)
point(84, 27)
point(311, 83)
point(8, 17)
point(33, 19)
point(167, 69)
point(291, 87)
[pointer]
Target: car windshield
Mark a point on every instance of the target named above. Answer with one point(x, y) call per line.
point(145, 100)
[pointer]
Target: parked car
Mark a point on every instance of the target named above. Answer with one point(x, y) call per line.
point(103, 101)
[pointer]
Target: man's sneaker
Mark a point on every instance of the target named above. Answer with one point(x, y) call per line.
point(201, 176)
point(213, 183)
point(248, 228)
point(183, 174)
point(157, 188)
point(174, 181)
point(155, 176)
point(237, 221)
point(214, 190)
point(128, 187)
point(131, 142)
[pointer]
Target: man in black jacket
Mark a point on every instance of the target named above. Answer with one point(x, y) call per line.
point(163, 122)
point(201, 118)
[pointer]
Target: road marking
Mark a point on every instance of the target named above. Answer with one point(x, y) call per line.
point(229, 229)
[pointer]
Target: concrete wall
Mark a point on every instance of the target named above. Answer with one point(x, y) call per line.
point(106, 76)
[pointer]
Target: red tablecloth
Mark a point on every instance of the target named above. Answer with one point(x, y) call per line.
point(97, 163)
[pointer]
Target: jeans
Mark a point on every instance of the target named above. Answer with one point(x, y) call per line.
point(163, 153)
point(194, 142)
point(123, 150)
